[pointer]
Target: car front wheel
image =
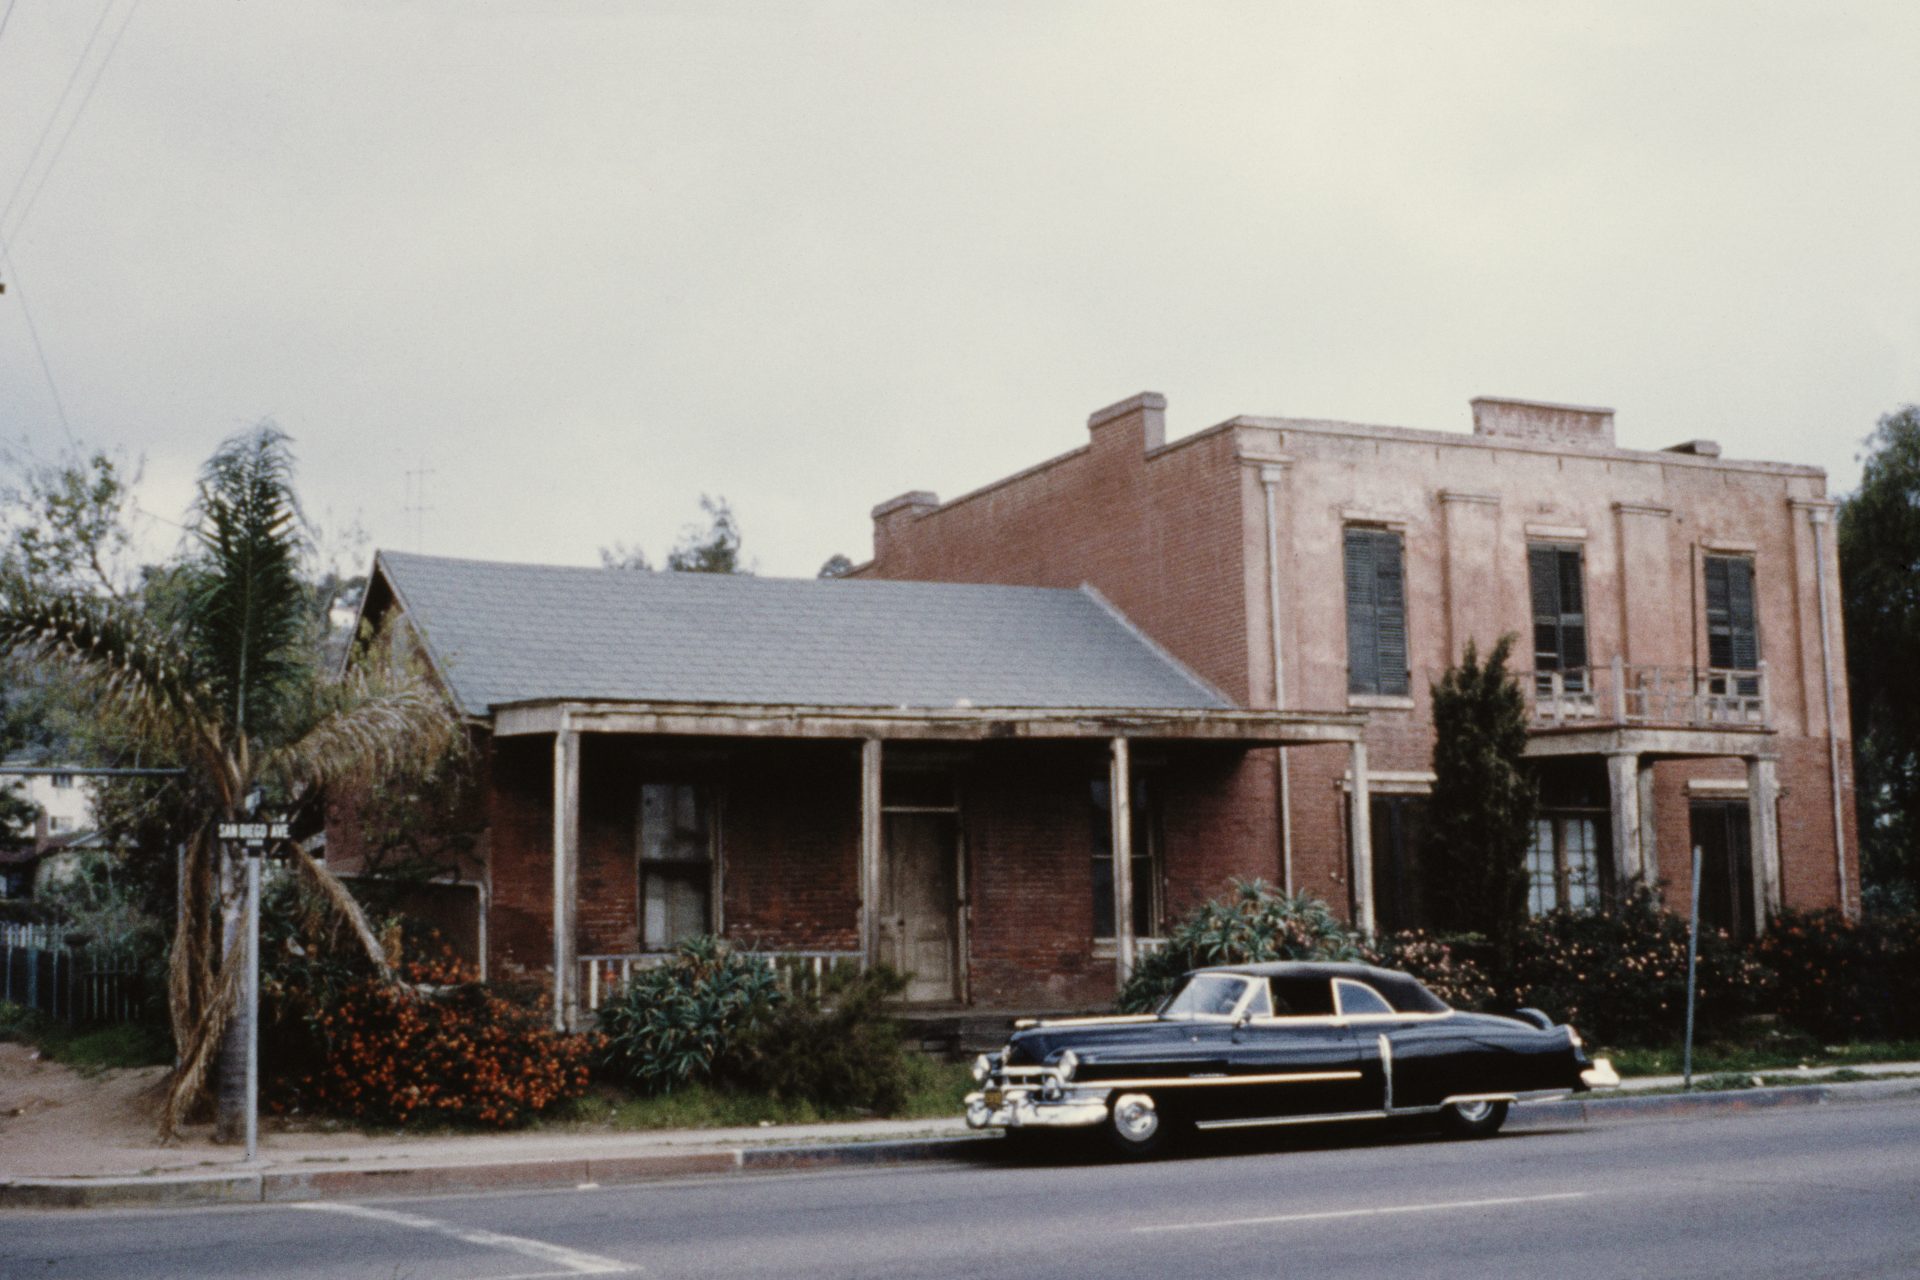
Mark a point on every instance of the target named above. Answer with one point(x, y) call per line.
point(1136, 1126)
point(1480, 1119)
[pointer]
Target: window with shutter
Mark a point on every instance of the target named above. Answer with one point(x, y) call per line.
point(1556, 584)
point(1376, 612)
point(1733, 633)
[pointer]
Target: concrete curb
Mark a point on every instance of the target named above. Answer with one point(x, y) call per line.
point(286, 1185)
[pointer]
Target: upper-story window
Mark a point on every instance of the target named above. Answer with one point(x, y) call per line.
point(1555, 581)
point(62, 781)
point(1733, 632)
point(1376, 612)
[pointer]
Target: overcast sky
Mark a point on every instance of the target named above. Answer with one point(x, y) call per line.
point(583, 262)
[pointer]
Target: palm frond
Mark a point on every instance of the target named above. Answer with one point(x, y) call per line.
point(367, 728)
point(136, 673)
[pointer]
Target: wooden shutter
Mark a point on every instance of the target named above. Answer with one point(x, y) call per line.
point(1363, 656)
point(1733, 633)
point(1556, 585)
point(1390, 613)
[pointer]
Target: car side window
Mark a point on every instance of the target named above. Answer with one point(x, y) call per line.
point(1358, 998)
point(1259, 1005)
point(1301, 997)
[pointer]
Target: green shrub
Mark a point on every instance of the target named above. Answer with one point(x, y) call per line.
point(1455, 968)
point(671, 1024)
point(1619, 973)
point(837, 1048)
point(1253, 923)
point(1845, 980)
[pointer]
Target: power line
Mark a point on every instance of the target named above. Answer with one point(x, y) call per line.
point(73, 121)
point(39, 349)
point(6, 15)
point(72, 79)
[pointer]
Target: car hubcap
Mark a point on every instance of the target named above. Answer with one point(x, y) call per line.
point(1134, 1117)
point(1473, 1112)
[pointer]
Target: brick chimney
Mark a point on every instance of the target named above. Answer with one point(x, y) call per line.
point(891, 517)
point(1542, 423)
point(1141, 420)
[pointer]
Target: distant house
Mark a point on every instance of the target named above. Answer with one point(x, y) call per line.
point(916, 773)
point(64, 821)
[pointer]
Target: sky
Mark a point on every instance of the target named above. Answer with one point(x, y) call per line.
point(523, 280)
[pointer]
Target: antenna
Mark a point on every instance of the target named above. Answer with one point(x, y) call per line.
point(416, 505)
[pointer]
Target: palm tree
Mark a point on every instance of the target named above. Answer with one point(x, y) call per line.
point(220, 675)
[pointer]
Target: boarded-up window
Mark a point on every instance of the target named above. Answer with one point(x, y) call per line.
point(675, 840)
point(1555, 582)
point(1733, 634)
point(1376, 612)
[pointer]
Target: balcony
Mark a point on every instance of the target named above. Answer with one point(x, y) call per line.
point(1622, 694)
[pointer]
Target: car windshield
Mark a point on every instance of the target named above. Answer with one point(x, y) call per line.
point(1206, 995)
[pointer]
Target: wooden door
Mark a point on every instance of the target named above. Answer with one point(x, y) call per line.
point(918, 903)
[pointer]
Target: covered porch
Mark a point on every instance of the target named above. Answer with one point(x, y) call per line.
point(1006, 857)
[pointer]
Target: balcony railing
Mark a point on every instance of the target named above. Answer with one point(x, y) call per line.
point(602, 977)
point(1628, 694)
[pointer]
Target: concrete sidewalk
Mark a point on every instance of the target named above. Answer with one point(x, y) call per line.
point(298, 1166)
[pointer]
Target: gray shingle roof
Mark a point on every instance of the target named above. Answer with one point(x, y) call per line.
point(504, 633)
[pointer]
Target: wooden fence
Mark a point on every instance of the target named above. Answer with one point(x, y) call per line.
point(39, 971)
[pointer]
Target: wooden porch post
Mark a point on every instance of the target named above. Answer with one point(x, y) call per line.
point(1623, 811)
point(1360, 833)
point(566, 873)
point(1120, 790)
point(869, 852)
point(1764, 837)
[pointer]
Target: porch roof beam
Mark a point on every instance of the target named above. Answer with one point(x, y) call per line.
point(1671, 744)
point(953, 724)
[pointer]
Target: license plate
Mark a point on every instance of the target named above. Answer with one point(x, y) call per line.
point(995, 1097)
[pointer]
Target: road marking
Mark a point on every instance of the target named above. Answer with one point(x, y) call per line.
point(1365, 1213)
point(574, 1261)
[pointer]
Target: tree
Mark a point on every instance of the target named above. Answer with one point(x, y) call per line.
point(218, 674)
point(1483, 801)
point(714, 549)
point(1880, 590)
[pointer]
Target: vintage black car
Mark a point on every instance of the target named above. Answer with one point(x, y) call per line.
point(1280, 1043)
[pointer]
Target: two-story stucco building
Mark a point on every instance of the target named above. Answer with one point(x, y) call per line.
point(1676, 613)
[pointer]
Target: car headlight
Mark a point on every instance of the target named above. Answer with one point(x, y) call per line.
point(982, 1068)
point(1069, 1063)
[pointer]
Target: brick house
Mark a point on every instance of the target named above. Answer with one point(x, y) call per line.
point(1677, 614)
point(991, 787)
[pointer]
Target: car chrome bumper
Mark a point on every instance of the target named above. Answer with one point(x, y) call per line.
point(1021, 1108)
point(1600, 1075)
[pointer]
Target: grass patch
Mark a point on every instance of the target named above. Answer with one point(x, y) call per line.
point(87, 1049)
point(1771, 1052)
point(934, 1092)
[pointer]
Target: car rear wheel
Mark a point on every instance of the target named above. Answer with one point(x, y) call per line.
point(1136, 1127)
point(1480, 1119)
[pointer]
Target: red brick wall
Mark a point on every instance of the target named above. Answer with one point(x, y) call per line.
point(520, 813)
point(1158, 534)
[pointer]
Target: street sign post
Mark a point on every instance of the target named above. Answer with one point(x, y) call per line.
point(253, 838)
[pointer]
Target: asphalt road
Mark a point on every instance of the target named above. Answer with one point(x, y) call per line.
point(1815, 1192)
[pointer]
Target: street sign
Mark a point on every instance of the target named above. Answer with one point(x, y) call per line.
point(255, 834)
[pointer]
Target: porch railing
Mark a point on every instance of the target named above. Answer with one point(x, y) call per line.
point(602, 977)
point(1632, 694)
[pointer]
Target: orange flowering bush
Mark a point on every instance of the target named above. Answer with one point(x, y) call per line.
point(437, 1047)
point(1842, 979)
